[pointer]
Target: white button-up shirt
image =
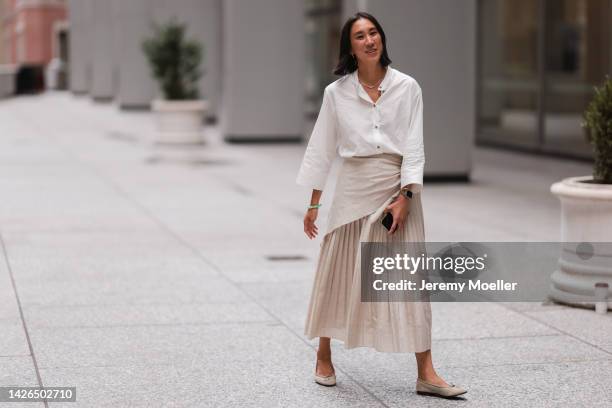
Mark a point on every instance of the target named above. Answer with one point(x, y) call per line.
point(351, 124)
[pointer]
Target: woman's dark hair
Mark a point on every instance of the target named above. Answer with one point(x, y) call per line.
point(346, 63)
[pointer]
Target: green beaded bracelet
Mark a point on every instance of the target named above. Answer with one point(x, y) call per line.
point(314, 206)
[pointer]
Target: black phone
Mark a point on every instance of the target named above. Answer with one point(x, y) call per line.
point(387, 221)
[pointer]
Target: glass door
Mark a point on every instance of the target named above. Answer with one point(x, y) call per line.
point(538, 61)
point(577, 59)
point(508, 82)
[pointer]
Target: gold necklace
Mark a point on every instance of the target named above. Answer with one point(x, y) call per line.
point(371, 86)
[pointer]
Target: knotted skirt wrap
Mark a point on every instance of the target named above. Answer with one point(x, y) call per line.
point(365, 187)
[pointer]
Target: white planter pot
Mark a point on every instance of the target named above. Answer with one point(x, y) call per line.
point(179, 121)
point(586, 216)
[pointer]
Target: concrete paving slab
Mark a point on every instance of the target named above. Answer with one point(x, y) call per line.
point(26, 149)
point(255, 247)
point(391, 377)
point(122, 242)
point(61, 266)
point(263, 362)
point(51, 256)
point(13, 341)
point(474, 320)
point(513, 350)
point(225, 223)
point(573, 322)
point(259, 270)
point(532, 306)
point(127, 290)
point(577, 384)
point(18, 372)
point(8, 303)
point(40, 204)
point(161, 345)
point(478, 353)
point(281, 383)
point(144, 315)
point(530, 385)
point(288, 301)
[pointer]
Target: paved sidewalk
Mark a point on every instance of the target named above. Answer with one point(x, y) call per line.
point(150, 275)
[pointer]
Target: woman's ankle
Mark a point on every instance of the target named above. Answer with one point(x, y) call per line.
point(324, 356)
point(427, 374)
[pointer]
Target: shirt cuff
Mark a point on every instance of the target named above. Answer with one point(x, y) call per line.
point(315, 181)
point(414, 178)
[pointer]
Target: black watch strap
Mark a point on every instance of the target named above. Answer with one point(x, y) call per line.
point(406, 193)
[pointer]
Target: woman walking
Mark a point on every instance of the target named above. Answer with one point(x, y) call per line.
point(372, 117)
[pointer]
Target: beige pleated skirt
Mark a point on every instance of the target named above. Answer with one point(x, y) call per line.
point(365, 187)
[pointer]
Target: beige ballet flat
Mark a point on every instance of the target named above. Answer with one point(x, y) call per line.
point(328, 381)
point(425, 388)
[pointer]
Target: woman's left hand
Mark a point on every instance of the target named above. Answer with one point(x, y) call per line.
point(399, 209)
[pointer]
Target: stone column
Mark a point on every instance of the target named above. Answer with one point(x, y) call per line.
point(263, 70)
point(135, 88)
point(102, 51)
point(80, 16)
point(116, 40)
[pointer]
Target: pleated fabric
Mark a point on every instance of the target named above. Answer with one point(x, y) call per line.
point(365, 186)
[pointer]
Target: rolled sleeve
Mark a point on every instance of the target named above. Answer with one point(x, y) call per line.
point(321, 148)
point(413, 151)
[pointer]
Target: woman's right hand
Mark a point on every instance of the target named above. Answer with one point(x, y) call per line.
point(310, 228)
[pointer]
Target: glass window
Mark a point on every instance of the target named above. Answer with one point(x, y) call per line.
point(538, 62)
point(508, 68)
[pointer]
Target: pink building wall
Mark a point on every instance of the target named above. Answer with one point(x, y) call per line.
point(32, 43)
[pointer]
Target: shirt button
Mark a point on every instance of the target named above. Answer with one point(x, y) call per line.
point(375, 126)
point(378, 147)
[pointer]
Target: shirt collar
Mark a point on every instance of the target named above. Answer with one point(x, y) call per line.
point(386, 82)
point(384, 85)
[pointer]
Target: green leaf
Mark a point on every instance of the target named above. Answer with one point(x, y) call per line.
point(598, 122)
point(174, 60)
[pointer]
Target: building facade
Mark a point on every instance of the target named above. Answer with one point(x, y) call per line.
point(28, 28)
point(3, 38)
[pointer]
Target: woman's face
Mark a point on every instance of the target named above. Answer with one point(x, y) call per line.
point(366, 42)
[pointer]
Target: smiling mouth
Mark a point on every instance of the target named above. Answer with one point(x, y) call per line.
point(372, 51)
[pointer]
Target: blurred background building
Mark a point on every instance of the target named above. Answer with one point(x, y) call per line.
point(30, 39)
point(511, 73)
point(2, 35)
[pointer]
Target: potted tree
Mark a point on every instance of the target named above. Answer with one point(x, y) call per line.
point(586, 213)
point(175, 64)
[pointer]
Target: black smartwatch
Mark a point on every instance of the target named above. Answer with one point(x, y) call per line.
point(406, 193)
